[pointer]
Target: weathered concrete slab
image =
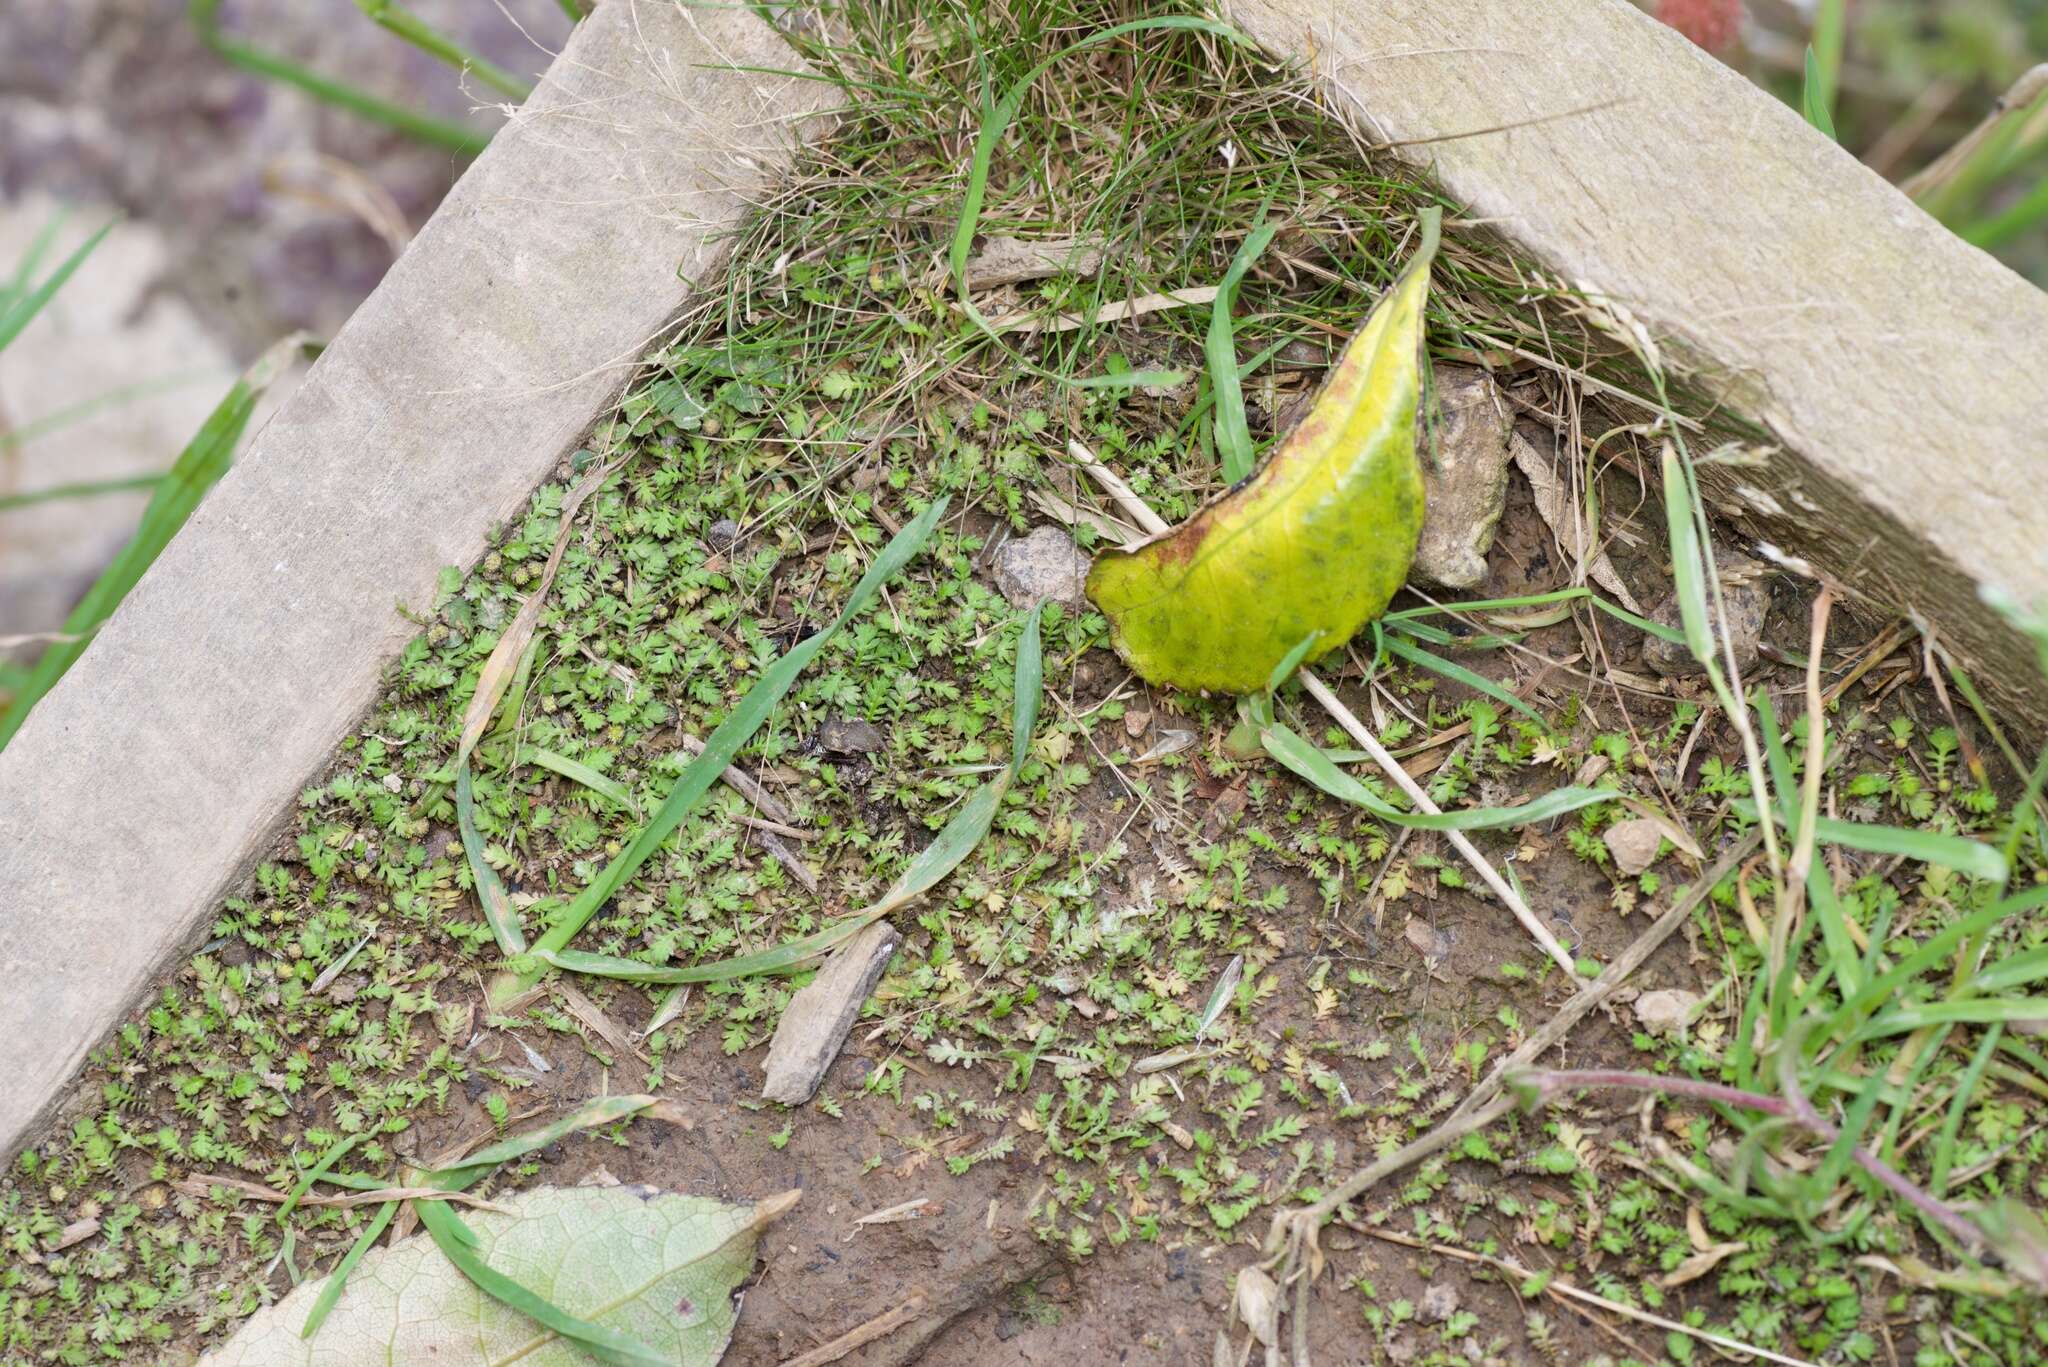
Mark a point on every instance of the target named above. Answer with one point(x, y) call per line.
point(1904, 372)
point(151, 778)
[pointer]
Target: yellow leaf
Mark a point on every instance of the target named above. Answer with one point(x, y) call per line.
point(1314, 544)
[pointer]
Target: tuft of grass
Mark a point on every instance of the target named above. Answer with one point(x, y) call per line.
point(455, 137)
point(23, 299)
point(176, 494)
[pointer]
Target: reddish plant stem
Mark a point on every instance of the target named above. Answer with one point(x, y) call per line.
point(1547, 1083)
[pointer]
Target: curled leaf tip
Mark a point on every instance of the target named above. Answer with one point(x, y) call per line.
point(1313, 545)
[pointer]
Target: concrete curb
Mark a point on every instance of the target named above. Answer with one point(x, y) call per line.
point(1904, 372)
point(154, 776)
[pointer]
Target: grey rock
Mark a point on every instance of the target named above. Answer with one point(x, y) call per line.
point(814, 1026)
point(1439, 1303)
point(1633, 844)
point(1748, 598)
point(722, 535)
point(1045, 564)
point(1465, 480)
point(1666, 1010)
point(1010, 261)
point(850, 737)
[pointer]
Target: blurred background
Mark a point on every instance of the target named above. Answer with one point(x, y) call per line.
point(261, 165)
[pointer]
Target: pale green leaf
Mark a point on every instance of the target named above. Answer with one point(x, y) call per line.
point(656, 1269)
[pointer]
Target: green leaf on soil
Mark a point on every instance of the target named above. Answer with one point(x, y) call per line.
point(649, 1271)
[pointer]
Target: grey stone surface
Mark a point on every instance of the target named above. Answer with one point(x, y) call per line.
point(1011, 261)
point(1903, 373)
point(851, 736)
point(151, 778)
point(1465, 479)
point(1045, 564)
point(813, 1027)
point(1748, 600)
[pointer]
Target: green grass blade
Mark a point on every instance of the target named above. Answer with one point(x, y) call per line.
point(2015, 970)
point(1313, 765)
point(22, 307)
point(330, 1293)
point(967, 828)
point(1688, 573)
point(1220, 995)
point(1844, 961)
point(1291, 661)
point(2031, 1057)
point(31, 260)
point(971, 823)
point(396, 19)
point(204, 461)
point(1742, 1055)
point(1835, 1165)
point(101, 402)
point(490, 889)
point(997, 118)
point(1813, 98)
point(1962, 1011)
point(1538, 600)
point(1824, 56)
point(610, 789)
point(952, 844)
point(1952, 1123)
point(724, 745)
point(515, 696)
point(1777, 758)
point(1437, 664)
point(1233, 433)
point(455, 137)
point(1450, 640)
point(93, 488)
point(1972, 857)
point(1936, 948)
point(458, 1242)
point(1028, 685)
point(2017, 219)
point(784, 958)
point(602, 1111)
point(316, 1172)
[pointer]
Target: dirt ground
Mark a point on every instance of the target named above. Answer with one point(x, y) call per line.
point(986, 1289)
point(1377, 987)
